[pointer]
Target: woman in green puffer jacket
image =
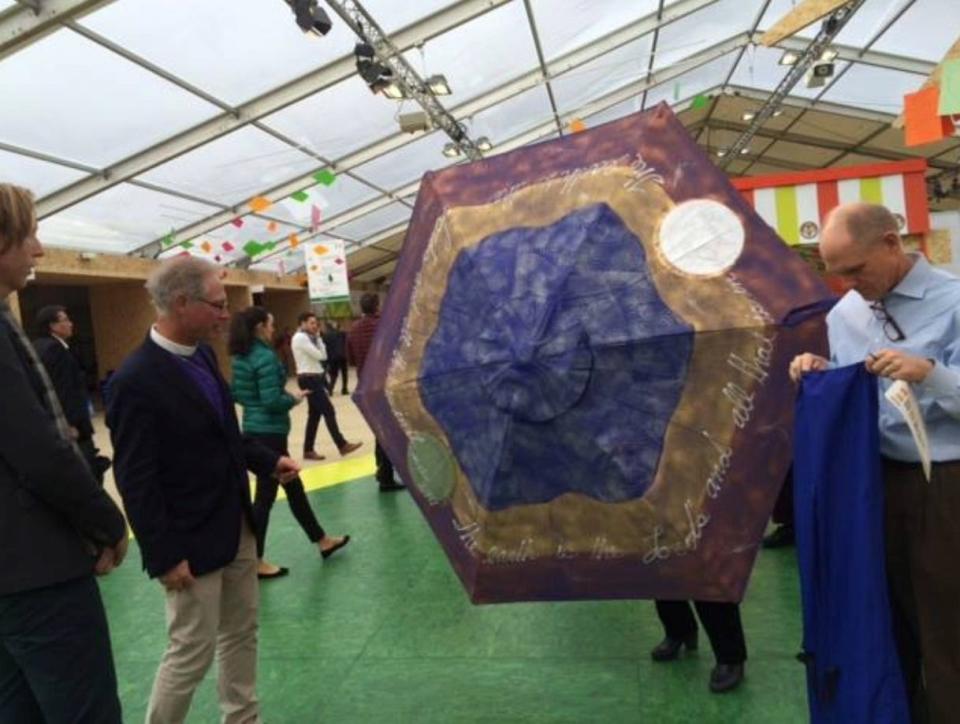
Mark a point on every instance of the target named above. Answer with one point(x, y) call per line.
point(259, 386)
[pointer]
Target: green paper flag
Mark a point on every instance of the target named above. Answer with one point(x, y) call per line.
point(167, 240)
point(269, 245)
point(187, 245)
point(300, 196)
point(252, 248)
point(699, 101)
point(950, 88)
point(325, 177)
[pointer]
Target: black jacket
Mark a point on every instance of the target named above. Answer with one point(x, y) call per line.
point(335, 342)
point(179, 464)
point(69, 381)
point(53, 515)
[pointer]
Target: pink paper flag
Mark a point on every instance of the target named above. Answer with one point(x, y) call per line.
point(237, 222)
point(315, 218)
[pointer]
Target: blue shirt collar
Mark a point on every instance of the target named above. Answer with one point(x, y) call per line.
point(917, 280)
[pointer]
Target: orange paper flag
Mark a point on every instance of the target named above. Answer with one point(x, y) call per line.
point(272, 226)
point(207, 248)
point(922, 121)
point(260, 203)
point(294, 241)
point(577, 125)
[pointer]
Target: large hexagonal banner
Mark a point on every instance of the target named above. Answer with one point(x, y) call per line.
point(580, 369)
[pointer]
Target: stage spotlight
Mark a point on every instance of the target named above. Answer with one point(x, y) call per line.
point(789, 58)
point(311, 18)
point(438, 85)
point(484, 144)
point(452, 150)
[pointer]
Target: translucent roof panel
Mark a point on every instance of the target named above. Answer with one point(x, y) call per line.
point(698, 80)
point(41, 177)
point(109, 107)
point(624, 108)
point(120, 219)
point(339, 120)
point(233, 168)
point(920, 32)
point(760, 68)
point(4, 4)
point(565, 25)
point(627, 64)
point(512, 117)
point(343, 194)
point(240, 49)
point(877, 89)
point(374, 222)
point(480, 55)
point(706, 27)
point(407, 163)
point(228, 240)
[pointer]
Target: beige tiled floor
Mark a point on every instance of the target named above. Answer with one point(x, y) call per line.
point(351, 422)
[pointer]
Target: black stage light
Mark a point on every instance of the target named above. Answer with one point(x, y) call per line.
point(311, 18)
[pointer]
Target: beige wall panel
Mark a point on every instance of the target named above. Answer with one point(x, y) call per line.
point(121, 313)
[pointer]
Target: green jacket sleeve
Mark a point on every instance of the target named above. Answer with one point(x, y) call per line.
point(269, 383)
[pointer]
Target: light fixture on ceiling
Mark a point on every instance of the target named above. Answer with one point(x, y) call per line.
point(483, 143)
point(777, 113)
point(721, 152)
point(748, 115)
point(744, 151)
point(789, 58)
point(438, 85)
point(311, 18)
point(378, 77)
point(829, 55)
point(452, 150)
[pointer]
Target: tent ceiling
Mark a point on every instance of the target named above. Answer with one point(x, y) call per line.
point(177, 114)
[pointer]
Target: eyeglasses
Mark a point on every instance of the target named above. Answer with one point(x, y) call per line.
point(890, 327)
point(222, 306)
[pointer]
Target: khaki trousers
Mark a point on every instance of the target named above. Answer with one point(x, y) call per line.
point(216, 615)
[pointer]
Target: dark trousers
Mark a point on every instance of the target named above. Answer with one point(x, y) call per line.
point(56, 665)
point(319, 405)
point(783, 509)
point(384, 466)
point(266, 494)
point(335, 367)
point(720, 620)
point(923, 546)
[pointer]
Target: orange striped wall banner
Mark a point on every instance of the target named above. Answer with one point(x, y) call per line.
point(795, 204)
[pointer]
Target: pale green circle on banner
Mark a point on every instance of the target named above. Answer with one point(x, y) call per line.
point(432, 466)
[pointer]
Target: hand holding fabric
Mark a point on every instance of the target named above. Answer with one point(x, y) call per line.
point(807, 362)
point(898, 365)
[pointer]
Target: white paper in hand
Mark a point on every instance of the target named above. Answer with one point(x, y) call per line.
point(901, 396)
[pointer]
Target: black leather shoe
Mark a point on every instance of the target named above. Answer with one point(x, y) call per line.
point(669, 649)
point(725, 677)
point(392, 487)
point(782, 537)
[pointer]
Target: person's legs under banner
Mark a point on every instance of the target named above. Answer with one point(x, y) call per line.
point(853, 674)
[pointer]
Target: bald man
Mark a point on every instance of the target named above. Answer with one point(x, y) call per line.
point(901, 318)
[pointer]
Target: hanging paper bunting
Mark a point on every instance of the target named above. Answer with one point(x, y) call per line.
point(315, 217)
point(187, 245)
point(217, 259)
point(699, 101)
point(269, 246)
point(167, 240)
point(238, 222)
point(922, 121)
point(227, 246)
point(577, 125)
point(294, 241)
point(325, 177)
point(272, 226)
point(949, 88)
point(260, 203)
point(320, 250)
point(252, 248)
point(300, 196)
point(207, 248)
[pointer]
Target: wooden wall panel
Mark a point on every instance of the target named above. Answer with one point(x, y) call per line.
point(122, 315)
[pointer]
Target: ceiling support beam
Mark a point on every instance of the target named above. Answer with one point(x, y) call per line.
point(24, 24)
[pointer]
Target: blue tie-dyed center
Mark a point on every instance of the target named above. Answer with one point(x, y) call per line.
point(555, 366)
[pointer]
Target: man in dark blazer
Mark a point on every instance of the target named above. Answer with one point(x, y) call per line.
point(181, 466)
point(55, 329)
point(57, 526)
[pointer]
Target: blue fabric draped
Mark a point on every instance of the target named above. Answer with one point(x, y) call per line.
point(853, 674)
point(555, 364)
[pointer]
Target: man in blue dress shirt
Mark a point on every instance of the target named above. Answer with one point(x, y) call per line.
point(901, 318)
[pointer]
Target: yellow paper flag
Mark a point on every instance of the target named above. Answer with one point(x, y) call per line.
point(294, 241)
point(260, 203)
point(320, 250)
point(577, 125)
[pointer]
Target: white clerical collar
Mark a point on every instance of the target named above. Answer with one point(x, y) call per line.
point(61, 340)
point(176, 348)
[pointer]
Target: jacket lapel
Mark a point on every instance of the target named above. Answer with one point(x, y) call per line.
point(179, 380)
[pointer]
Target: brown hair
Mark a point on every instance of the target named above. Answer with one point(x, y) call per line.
point(18, 218)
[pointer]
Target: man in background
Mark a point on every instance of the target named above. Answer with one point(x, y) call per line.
point(336, 343)
point(55, 330)
point(309, 354)
point(358, 347)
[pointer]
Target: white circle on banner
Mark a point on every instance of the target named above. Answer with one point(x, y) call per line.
point(701, 237)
